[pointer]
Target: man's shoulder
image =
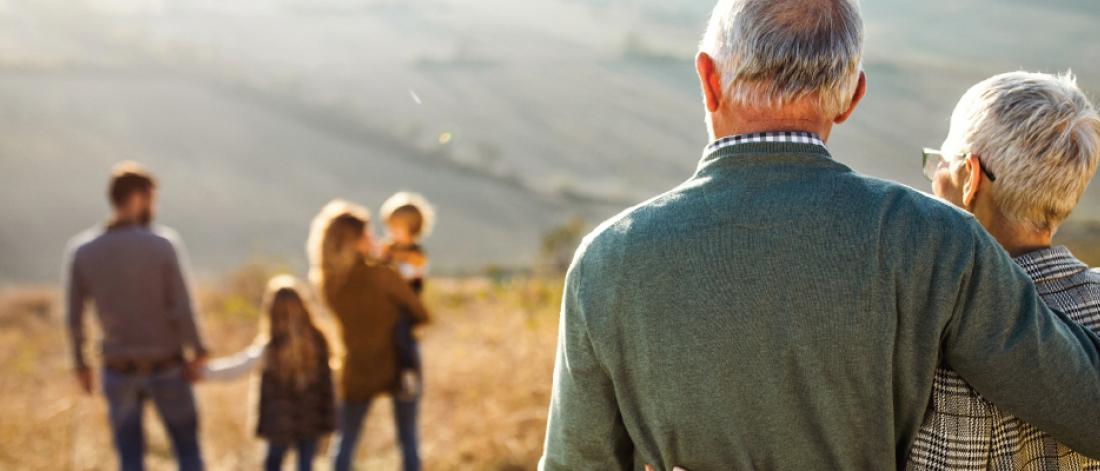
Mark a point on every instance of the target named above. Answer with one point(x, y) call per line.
point(894, 205)
point(160, 239)
point(166, 235)
point(901, 209)
point(904, 197)
point(642, 222)
point(157, 238)
point(84, 239)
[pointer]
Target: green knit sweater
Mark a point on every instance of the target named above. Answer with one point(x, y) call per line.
point(779, 311)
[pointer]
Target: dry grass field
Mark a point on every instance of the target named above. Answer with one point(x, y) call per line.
point(489, 359)
point(488, 353)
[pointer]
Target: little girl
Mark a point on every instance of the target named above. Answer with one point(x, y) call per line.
point(408, 218)
point(296, 401)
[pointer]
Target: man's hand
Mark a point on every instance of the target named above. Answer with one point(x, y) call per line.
point(651, 468)
point(192, 370)
point(86, 380)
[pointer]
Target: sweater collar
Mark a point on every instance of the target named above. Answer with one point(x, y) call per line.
point(757, 147)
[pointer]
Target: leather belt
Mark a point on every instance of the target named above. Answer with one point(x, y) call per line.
point(142, 366)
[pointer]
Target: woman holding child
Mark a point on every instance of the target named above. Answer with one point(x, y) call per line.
point(369, 299)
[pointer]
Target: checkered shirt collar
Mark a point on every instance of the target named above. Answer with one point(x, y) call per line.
point(798, 137)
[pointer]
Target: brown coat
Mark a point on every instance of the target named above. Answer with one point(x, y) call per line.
point(368, 304)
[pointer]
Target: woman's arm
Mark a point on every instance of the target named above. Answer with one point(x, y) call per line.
point(400, 292)
point(231, 368)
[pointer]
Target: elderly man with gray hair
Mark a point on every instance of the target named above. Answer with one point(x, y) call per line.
point(1021, 150)
point(778, 310)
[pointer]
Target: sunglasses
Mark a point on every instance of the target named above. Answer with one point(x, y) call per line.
point(934, 158)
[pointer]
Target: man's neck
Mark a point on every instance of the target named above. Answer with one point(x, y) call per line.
point(749, 120)
point(122, 220)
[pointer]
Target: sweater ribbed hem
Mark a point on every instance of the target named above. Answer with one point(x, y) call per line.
point(772, 148)
point(768, 149)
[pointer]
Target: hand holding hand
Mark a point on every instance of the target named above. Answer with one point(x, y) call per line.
point(192, 370)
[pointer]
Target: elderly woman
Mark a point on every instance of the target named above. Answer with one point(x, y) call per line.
point(1021, 150)
point(367, 299)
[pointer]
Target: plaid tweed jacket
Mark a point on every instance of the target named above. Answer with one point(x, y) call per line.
point(963, 431)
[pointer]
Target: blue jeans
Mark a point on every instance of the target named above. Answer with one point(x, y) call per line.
point(351, 425)
point(175, 403)
point(408, 352)
point(276, 452)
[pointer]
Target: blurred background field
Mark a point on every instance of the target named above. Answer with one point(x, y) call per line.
point(489, 360)
point(513, 116)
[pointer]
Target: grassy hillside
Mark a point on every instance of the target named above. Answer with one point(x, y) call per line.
point(488, 355)
point(488, 359)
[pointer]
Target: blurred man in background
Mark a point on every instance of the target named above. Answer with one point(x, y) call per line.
point(133, 273)
point(1021, 150)
point(778, 310)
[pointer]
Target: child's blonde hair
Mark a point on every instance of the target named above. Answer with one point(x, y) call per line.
point(411, 208)
point(288, 334)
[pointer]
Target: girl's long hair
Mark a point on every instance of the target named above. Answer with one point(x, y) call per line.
point(293, 345)
point(333, 242)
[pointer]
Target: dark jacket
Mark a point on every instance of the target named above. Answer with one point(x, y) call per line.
point(289, 413)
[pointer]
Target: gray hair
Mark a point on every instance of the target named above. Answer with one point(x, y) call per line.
point(774, 52)
point(1040, 137)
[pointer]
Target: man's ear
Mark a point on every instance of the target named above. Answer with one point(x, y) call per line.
point(973, 181)
point(861, 91)
point(709, 81)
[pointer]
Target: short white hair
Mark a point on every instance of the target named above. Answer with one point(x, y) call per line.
point(1040, 137)
point(770, 53)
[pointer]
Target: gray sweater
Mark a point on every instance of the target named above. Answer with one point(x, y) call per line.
point(135, 278)
point(779, 311)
